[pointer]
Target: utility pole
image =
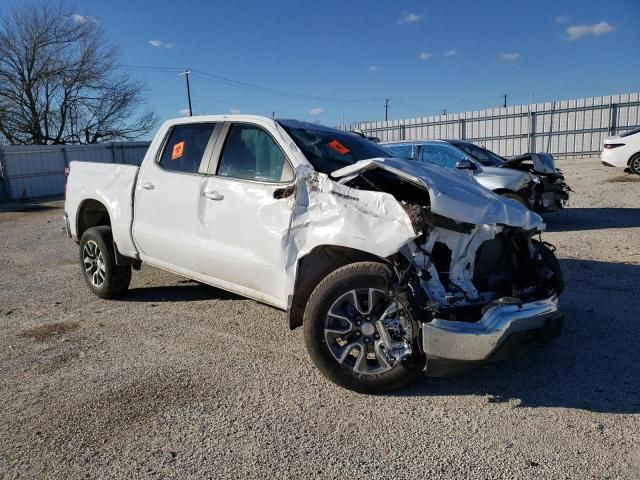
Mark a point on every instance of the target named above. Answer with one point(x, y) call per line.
point(444, 111)
point(505, 100)
point(273, 114)
point(186, 74)
point(386, 109)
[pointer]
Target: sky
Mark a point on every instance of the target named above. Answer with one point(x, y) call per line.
point(331, 60)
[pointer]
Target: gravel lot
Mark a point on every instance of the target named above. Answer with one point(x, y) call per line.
point(183, 380)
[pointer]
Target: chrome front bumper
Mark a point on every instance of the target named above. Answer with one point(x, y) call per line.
point(477, 342)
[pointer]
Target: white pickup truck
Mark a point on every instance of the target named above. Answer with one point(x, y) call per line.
point(389, 265)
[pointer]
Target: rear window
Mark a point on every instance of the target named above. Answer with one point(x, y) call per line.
point(630, 132)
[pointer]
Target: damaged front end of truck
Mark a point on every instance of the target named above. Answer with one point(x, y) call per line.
point(472, 282)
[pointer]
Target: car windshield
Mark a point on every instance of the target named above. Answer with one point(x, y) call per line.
point(630, 132)
point(328, 150)
point(482, 155)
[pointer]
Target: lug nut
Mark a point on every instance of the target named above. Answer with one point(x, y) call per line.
point(357, 333)
point(376, 336)
point(358, 323)
point(366, 340)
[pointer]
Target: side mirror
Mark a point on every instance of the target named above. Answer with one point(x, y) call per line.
point(465, 164)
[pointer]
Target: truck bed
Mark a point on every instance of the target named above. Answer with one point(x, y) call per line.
point(113, 186)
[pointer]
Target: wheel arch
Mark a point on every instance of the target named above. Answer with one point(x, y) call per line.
point(91, 213)
point(316, 265)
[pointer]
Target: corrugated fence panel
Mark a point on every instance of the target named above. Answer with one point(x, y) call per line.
point(564, 128)
point(38, 170)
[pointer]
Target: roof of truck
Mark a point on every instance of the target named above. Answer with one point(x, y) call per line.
point(291, 123)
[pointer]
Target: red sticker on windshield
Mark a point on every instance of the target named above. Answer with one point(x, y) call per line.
point(338, 147)
point(178, 150)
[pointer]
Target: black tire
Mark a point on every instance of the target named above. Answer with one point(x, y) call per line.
point(514, 196)
point(551, 261)
point(116, 278)
point(363, 275)
point(634, 164)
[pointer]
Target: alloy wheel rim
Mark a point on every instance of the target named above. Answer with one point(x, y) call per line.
point(94, 264)
point(351, 333)
point(635, 164)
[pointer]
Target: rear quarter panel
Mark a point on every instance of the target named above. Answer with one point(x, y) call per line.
point(111, 185)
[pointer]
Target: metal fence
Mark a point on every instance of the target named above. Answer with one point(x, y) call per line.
point(38, 170)
point(565, 128)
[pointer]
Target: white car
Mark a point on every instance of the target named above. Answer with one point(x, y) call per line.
point(623, 151)
point(387, 264)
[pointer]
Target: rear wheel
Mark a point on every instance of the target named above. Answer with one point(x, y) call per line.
point(97, 258)
point(357, 334)
point(634, 164)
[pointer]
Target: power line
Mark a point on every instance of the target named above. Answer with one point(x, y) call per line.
point(249, 86)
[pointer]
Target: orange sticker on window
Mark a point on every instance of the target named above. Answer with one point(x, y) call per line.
point(178, 150)
point(338, 147)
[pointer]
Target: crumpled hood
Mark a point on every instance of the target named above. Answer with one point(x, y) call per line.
point(542, 162)
point(452, 195)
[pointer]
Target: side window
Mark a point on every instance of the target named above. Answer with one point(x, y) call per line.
point(440, 155)
point(250, 153)
point(186, 146)
point(402, 151)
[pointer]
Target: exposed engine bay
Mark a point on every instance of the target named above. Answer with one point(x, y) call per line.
point(455, 270)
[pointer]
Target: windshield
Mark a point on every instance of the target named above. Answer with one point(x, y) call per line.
point(482, 155)
point(328, 150)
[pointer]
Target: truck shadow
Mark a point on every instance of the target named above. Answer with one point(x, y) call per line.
point(593, 366)
point(187, 292)
point(574, 219)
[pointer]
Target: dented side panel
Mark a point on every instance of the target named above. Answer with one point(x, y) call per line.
point(328, 213)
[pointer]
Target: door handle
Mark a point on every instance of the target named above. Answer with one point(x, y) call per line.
point(147, 185)
point(213, 195)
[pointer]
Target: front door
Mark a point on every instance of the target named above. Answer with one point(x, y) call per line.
point(247, 210)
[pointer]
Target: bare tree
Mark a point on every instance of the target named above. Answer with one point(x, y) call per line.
point(60, 81)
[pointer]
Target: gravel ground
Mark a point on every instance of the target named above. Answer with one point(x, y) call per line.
point(183, 380)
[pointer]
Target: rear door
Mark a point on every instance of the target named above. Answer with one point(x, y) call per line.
point(166, 225)
point(247, 211)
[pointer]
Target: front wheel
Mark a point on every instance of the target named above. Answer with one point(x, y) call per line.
point(97, 258)
point(358, 335)
point(551, 261)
